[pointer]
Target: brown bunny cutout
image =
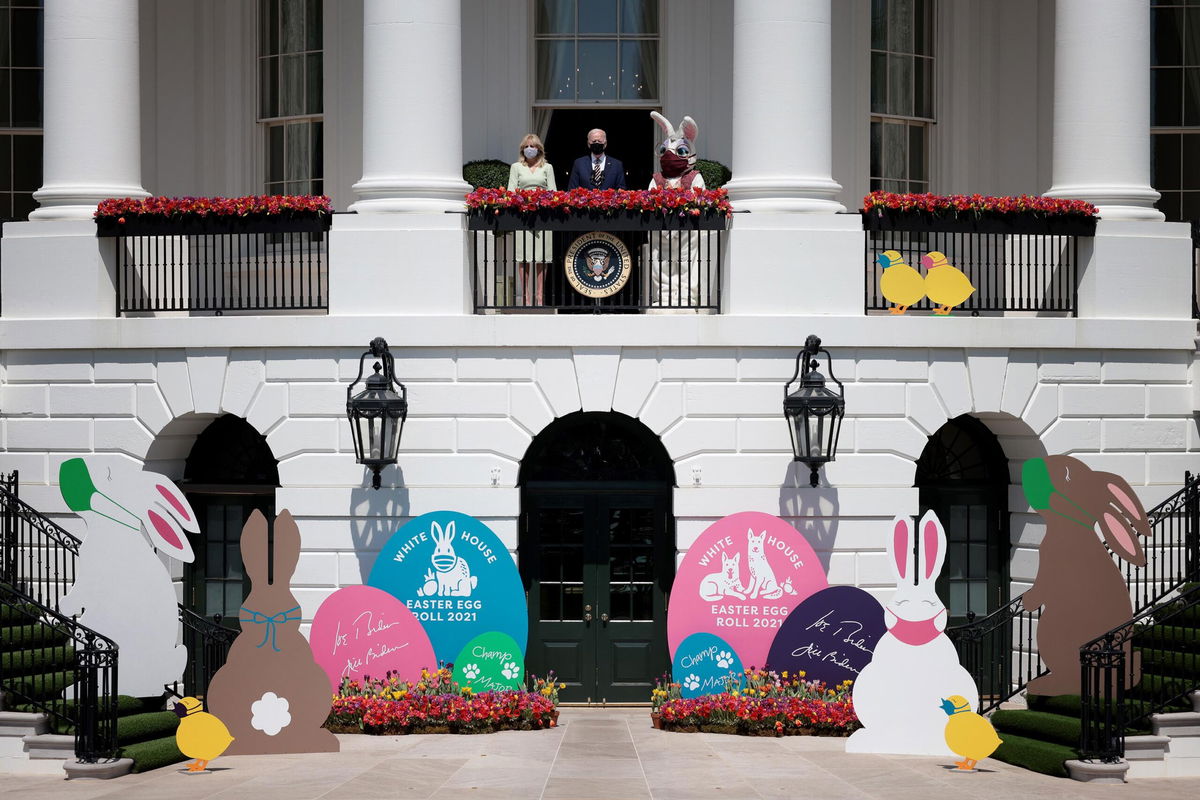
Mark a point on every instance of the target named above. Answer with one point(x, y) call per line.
point(271, 693)
point(1078, 582)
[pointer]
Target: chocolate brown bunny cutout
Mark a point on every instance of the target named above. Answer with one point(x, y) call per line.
point(271, 693)
point(1078, 582)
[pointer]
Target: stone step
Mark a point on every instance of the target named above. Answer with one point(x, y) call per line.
point(1184, 723)
point(50, 746)
point(20, 724)
point(20, 765)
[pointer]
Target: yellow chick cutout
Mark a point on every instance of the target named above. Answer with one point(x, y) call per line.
point(968, 734)
point(200, 735)
point(904, 286)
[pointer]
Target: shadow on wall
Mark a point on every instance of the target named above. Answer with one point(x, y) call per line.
point(375, 514)
point(813, 512)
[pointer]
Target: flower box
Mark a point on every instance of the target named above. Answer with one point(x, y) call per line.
point(191, 225)
point(509, 219)
point(1012, 224)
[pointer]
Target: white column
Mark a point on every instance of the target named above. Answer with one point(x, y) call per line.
point(412, 106)
point(92, 147)
point(1102, 106)
point(782, 106)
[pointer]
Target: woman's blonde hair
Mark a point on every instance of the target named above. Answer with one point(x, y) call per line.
point(532, 139)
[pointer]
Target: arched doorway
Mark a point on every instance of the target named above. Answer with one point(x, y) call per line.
point(963, 476)
point(229, 473)
point(597, 543)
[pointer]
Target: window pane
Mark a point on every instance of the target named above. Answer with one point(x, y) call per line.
point(978, 561)
point(598, 16)
point(27, 163)
point(313, 83)
point(317, 131)
point(1191, 96)
point(894, 156)
point(293, 26)
point(876, 150)
point(1169, 205)
point(1164, 160)
point(5, 84)
point(978, 598)
point(958, 599)
point(956, 561)
point(597, 70)
point(639, 70)
point(313, 25)
point(916, 153)
point(900, 85)
point(299, 152)
point(1166, 91)
point(6, 162)
point(878, 83)
point(275, 153)
point(269, 87)
point(292, 88)
point(1191, 206)
point(27, 98)
point(556, 70)
point(1191, 35)
point(572, 602)
point(1190, 147)
point(922, 90)
point(900, 27)
point(639, 17)
point(26, 38)
point(879, 24)
point(272, 27)
point(922, 35)
point(1166, 37)
point(556, 16)
point(22, 205)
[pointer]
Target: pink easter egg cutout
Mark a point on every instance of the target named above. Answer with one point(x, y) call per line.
point(740, 580)
point(361, 630)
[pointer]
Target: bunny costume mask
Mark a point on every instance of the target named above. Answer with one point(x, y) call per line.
point(675, 276)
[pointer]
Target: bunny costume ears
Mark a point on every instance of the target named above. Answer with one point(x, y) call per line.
point(684, 136)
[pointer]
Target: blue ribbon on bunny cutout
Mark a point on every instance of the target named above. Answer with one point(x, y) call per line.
point(456, 577)
point(280, 618)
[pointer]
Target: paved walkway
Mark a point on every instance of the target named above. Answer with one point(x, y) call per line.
point(594, 753)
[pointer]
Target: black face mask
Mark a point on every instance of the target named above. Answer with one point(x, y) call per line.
point(596, 147)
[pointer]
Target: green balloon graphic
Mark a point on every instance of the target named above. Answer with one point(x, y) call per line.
point(76, 485)
point(1035, 478)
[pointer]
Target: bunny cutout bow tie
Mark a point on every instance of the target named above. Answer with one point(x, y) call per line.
point(271, 621)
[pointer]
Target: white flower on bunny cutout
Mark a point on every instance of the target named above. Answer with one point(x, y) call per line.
point(692, 682)
point(724, 659)
point(270, 714)
point(511, 670)
point(471, 671)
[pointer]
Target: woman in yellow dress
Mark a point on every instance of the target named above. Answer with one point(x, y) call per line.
point(532, 171)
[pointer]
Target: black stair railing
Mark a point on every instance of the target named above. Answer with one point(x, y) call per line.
point(38, 556)
point(1145, 666)
point(207, 642)
point(1000, 650)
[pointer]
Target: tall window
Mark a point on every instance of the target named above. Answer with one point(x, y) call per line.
point(901, 94)
point(20, 106)
point(1175, 106)
point(597, 51)
point(290, 84)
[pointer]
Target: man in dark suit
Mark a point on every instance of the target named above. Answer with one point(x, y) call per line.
point(597, 171)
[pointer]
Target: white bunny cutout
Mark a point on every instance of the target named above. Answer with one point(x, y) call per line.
point(122, 588)
point(451, 575)
point(897, 697)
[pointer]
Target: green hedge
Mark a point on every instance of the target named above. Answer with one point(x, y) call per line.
point(487, 173)
point(715, 173)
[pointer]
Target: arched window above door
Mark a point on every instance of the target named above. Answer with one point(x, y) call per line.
point(596, 446)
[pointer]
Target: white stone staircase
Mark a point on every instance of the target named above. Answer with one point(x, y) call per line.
point(1173, 748)
point(26, 748)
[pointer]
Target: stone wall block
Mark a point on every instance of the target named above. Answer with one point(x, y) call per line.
point(1168, 401)
point(987, 373)
point(207, 371)
point(48, 366)
point(664, 408)
point(293, 436)
point(924, 407)
point(500, 436)
point(71, 435)
point(1102, 401)
point(768, 435)
point(1042, 410)
point(875, 399)
point(734, 399)
point(491, 364)
point(244, 376)
point(317, 400)
point(90, 400)
point(176, 385)
point(304, 364)
point(698, 364)
point(898, 436)
point(123, 436)
point(596, 370)
point(24, 400)
point(269, 408)
point(152, 408)
point(1075, 366)
point(458, 400)
point(124, 366)
point(876, 364)
point(555, 374)
point(692, 436)
point(1145, 434)
point(637, 374)
point(1020, 378)
point(529, 407)
point(1072, 436)
point(949, 377)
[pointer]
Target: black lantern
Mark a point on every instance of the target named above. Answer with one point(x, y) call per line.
point(377, 413)
point(814, 413)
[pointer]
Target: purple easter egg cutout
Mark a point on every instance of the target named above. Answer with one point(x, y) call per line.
point(361, 630)
point(829, 637)
point(740, 580)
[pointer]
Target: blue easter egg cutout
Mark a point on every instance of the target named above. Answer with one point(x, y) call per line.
point(702, 665)
point(456, 577)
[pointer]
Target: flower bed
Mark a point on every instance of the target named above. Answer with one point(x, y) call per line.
point(436, 704)
point(959, 204)
point(125, 208)
point(759, 703)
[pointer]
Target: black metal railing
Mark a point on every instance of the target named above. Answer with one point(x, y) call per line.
point(63, 669)
point(518, 263)
point(37, 556)
point(223, 266)
point(207, 642)
point(1030, 269)
point(1142, 667)
point(1000, 650)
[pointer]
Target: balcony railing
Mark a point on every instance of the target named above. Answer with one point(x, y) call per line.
point(1018, 265)
point(520, 264)
point(222, 265)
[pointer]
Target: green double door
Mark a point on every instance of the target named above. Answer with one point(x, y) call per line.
point(597, 565)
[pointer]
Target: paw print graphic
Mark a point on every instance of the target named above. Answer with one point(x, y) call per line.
point(471, 671)
point(692, 682)
point(724, 659)
point(511, 670)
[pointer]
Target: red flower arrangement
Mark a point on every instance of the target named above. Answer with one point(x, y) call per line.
point(955, 204)
point(678, 201)
point(120, 209)
point(741, 713)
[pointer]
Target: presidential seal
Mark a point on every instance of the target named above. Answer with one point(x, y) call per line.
point(598, 265)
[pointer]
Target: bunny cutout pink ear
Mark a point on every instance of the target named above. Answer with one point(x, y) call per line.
point(932, 544)
point(1124, 520)
point(900, 549)
point(166, 514)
